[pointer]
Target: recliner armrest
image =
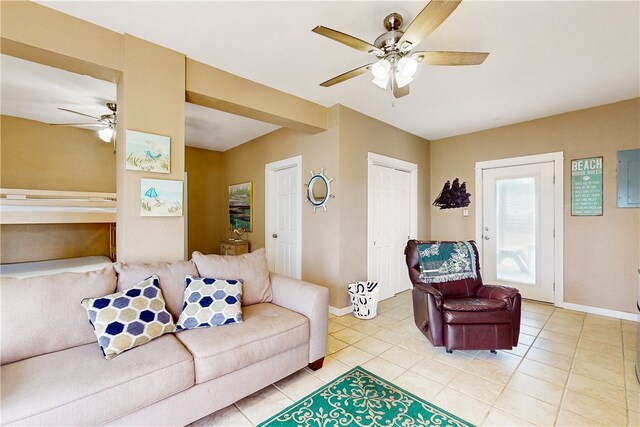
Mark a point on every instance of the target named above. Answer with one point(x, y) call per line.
point(437, 295)
point(309, 300)
point(498, 292)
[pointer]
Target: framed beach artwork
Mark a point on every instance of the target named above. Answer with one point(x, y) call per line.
point(240, 206)
point(160, 197)
point(148, 152)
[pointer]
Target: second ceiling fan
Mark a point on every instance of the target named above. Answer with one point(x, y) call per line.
point(397, 62)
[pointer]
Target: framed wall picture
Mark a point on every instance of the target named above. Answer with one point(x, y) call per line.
point(586, 187)
point(148, 152)
point(160, 197)
point(241, 206)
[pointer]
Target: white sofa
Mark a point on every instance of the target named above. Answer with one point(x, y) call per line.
point(53, 372)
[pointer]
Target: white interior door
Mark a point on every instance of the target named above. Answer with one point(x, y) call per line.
point(283, 231)
point(391, 223)
point(518, 228)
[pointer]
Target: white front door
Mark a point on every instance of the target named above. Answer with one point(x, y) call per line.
point(283, 231)
point(518, 228)
point(391, 223)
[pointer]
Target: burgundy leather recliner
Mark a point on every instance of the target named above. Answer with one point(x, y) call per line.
point(463, 314)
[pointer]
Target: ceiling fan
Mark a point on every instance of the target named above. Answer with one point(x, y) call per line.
point(107, 122)
point(397, 62)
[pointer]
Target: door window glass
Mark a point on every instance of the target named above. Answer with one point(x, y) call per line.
point(516, 230)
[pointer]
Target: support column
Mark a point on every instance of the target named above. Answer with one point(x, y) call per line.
point(151, 98)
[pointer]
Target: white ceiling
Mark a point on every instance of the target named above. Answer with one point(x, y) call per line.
point(546, 57)
point(34, 91)
point(219, 131)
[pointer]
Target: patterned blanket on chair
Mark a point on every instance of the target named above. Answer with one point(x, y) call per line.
point(443, 262)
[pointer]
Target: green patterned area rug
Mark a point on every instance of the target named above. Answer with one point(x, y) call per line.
point(360, 398)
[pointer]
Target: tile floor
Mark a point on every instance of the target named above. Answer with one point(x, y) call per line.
point(570, 369)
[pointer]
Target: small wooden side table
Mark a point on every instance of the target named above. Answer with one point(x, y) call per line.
point(233, 247)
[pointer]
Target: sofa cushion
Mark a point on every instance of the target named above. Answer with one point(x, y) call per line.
point(78, 386)
point(210, 302)
point(251, 268)
point(129, 318)
point(267, 330)
point(171, 275)
point(43, 314)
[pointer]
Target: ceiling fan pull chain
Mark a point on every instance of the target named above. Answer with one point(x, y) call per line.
point(393, 98)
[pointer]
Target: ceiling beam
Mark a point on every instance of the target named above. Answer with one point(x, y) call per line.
point(39, 34)
point(211, 87)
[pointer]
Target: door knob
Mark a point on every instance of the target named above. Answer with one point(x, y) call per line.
point(486, 237)
point(274, 235)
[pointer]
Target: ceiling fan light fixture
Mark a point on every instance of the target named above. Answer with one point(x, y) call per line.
point(407, 66)
point(380, 69)
point(402, 80)
point(106, 134)
point(381, 83)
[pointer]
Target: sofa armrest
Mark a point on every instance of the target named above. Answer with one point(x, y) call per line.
point(497, 292)
point(427, 313)
point(436, 294)
point(309, 300)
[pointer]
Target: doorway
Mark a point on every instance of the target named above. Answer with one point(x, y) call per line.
point(283, 211)
point(518, 219)
point(391, 221)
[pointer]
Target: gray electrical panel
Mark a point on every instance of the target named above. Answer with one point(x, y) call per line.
point(629, 179)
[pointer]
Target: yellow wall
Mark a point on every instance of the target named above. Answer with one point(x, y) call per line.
point(34, 155)
point(38, 156)
point(206, 199)
point(600, 253)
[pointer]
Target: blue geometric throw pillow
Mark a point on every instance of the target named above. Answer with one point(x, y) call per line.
point(129, 318)
point(210, 302)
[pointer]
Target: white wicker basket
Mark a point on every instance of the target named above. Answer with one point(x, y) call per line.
point(364, 298)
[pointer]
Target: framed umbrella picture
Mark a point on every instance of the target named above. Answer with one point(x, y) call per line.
point(241, 206)
point(160, 197)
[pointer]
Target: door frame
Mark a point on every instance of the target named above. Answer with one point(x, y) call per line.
point(269, 179)
point(557, 158)
point(412, 168)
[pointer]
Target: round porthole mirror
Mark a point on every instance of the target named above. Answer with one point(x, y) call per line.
point(319, 190)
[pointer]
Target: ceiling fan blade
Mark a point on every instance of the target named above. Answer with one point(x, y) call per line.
point(450, 58)
point(346, 76)
point(398, 92)
point(76, 112)
point(80, 124)
point(348, 40)
point(429, 18)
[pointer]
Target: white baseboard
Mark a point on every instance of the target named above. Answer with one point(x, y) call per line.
point(340, 311)
point(601, 311)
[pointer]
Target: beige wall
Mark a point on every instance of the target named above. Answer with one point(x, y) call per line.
point(38, 242)
point(334, 242)
point(38, 156)
point(150, 99)
point(360, 134)
point(320, 254)
point(34, 155)
point(207, 203)
point(600, 253)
